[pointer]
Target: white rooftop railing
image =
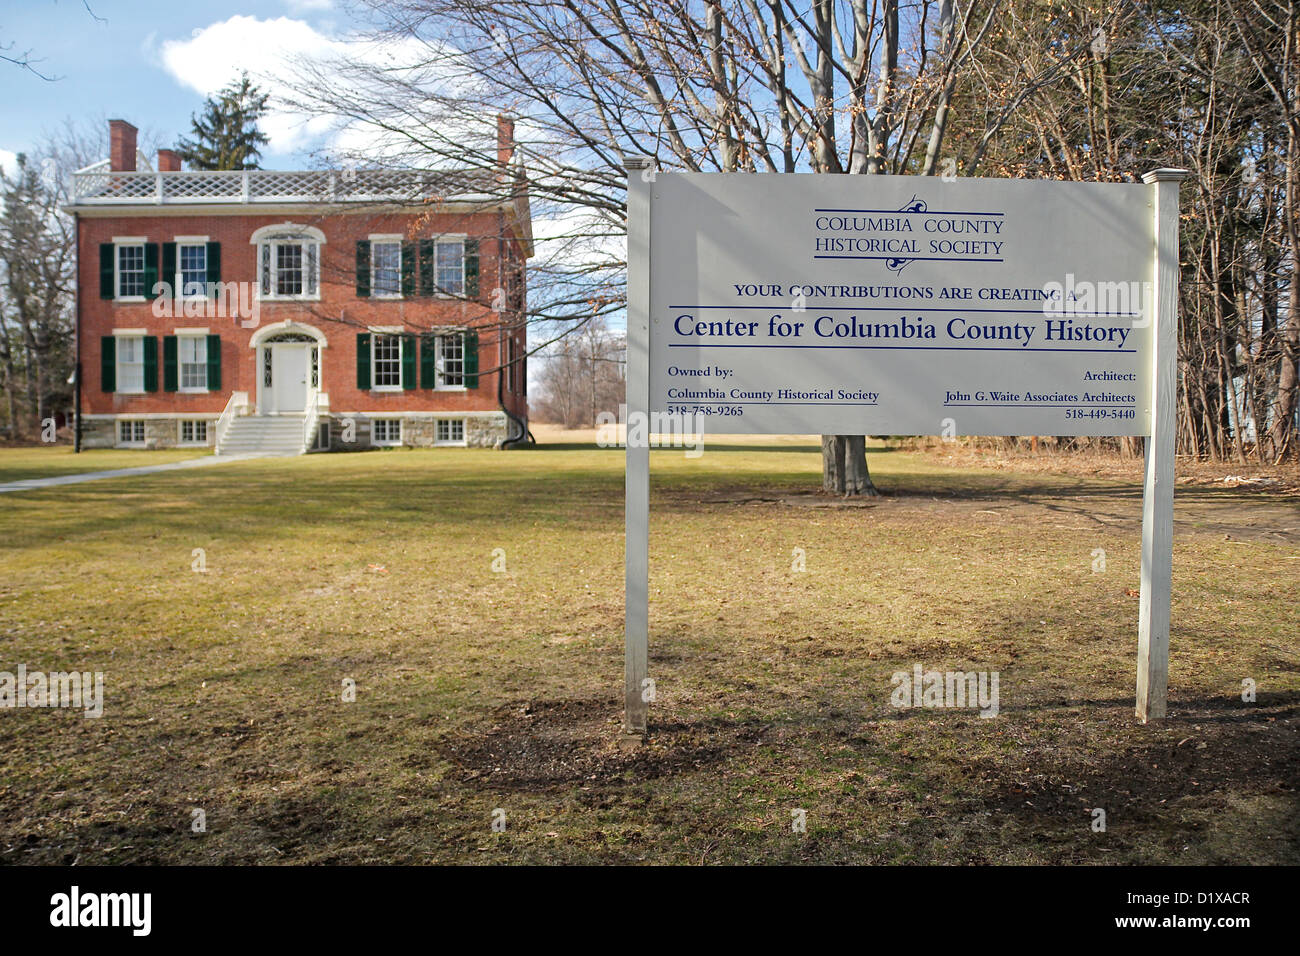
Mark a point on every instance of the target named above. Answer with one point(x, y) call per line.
point(97, 185)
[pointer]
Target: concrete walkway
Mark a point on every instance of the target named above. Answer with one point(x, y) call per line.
point(30, 483)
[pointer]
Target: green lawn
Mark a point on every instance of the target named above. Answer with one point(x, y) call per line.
point(20, 464)
point(479, 690)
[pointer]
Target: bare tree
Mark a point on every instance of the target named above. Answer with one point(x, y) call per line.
point(581, 375)
point(37, 260)
point(841, 86)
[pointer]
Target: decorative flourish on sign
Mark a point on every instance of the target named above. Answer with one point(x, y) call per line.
point(898, 263)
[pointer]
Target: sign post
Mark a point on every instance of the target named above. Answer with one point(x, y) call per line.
point(859, 305)
point(1158, 479)
point(636, 651)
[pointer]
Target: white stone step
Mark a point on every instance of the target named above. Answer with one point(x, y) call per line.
point(264, 435)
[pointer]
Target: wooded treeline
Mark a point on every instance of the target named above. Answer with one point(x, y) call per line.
point(37, 259)
point(1031, 88)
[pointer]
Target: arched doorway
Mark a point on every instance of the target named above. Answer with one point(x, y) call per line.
point(288, 368)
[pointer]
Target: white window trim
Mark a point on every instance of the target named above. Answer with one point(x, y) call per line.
point(117, 427)
point(180, 432)
point(272, 296)
point(322, 426)
point(117, 361)
point(175, 280)
point(386, 238)
point(118, 242)
point(401, 354)
point(287, 232)
point(464, 434)
point(438, 384)
point(180, 373)
point(387, 443)
point(449, 237)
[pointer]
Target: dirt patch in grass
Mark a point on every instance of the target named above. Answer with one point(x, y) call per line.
point(541, 745)
point(479, 689)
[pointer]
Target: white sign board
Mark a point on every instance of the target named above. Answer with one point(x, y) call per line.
point(857, 305)
point(901, 305)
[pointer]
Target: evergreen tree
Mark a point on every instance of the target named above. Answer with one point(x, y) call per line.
point(226, 135)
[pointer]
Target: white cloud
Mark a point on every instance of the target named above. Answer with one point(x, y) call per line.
point(273, 51)
point(8, 162)
point(215, 55)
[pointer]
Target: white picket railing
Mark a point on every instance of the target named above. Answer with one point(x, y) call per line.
point(309, 422)
point(236, 402)
point(97, 185)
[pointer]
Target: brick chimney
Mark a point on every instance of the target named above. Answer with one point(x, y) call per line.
point(169, 161)
point(505, 139)
point(121, 146)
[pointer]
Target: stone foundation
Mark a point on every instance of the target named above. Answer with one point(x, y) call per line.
point(98, 433)
point(347, 432)
point(158, 433)
point(481, 431)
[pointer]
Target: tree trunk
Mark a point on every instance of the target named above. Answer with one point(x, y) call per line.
point(1288, 384)
point(844, 466)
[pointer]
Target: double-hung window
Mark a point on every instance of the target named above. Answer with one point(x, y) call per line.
point(386, 268)
point(451, 360)
point(130, 363)
point(288, 263)
point(192, 264)
point(450, 262)
point(512, 365)
point(130, 270)
point(193, 360)
point(386, 362)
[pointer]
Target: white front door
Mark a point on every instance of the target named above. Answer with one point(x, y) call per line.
point(289, 373)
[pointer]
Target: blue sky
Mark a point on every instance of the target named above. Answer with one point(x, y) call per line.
point(152, 62)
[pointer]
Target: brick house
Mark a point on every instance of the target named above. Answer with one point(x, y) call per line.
point(292, 311)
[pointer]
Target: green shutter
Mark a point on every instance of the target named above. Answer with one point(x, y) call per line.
point(169, 363)
point(426, 268)
point(471, 268)
point(107, 263)
point(471, 359)
point(408, 361)
point(151, 363)
point(214, 363)
point(108, 362)
point(151, 275)
point(428, 361)
point(363, 281)
point(214, 267)
point(363, 360)
point(408, 269)
point(169, 269)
